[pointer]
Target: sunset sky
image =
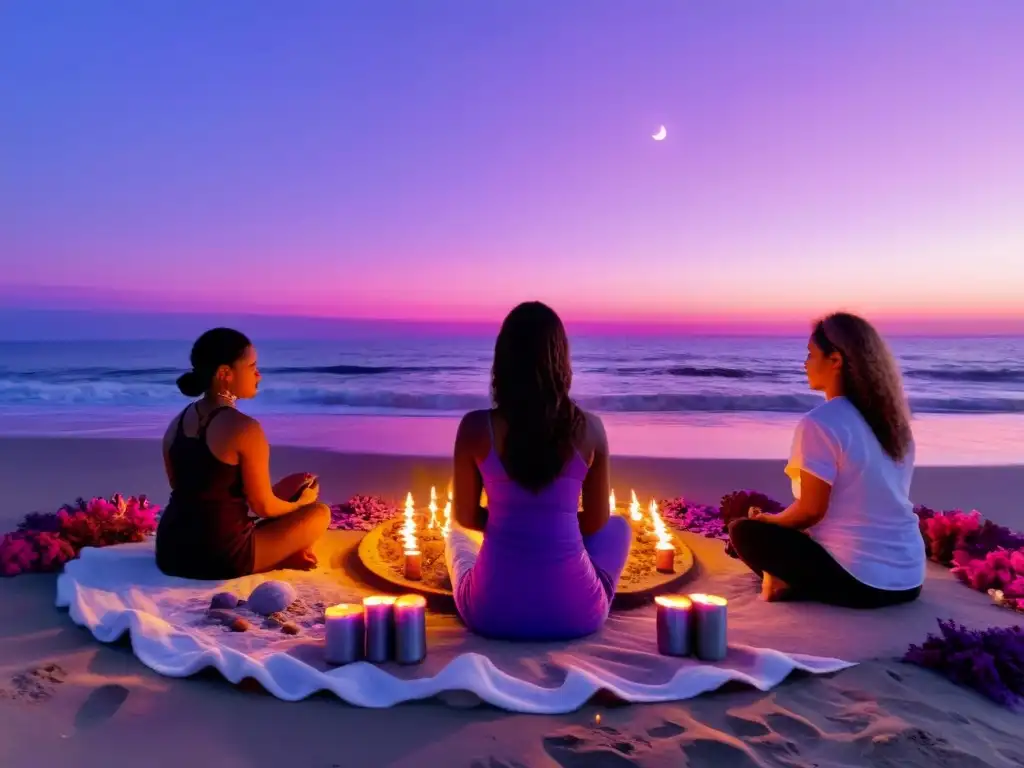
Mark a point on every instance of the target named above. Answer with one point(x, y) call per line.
point(444, 160)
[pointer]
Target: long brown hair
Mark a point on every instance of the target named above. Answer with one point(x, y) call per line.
point(871, 378)
point(530, 381)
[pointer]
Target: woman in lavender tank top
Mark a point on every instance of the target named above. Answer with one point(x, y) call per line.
point(531, 566)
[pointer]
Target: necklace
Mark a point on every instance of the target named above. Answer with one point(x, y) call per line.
point(229, 398)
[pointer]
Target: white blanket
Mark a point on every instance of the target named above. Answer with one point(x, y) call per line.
point(119, 589)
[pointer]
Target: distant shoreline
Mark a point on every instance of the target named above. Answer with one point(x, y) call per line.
point(942, 439)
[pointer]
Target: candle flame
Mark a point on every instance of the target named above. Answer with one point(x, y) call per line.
point(410, 601)
point(342, 609)
point(674, 601)
point(664, 537)
point(379, 600)
point(446, 527)
point(611, 501)
point(708, 599)
point(409, 528)
point(634, 509)
point(433, 508)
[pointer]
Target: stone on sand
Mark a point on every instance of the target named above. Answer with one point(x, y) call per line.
point(271, 597)
point(226, 600)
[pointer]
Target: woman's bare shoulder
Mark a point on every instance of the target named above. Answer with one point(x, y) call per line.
point(594, 437)
point(239, 425)
point(474, 425)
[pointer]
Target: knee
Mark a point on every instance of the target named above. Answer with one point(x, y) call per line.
point(319, 517)
point(619, 527)
point(740, 530)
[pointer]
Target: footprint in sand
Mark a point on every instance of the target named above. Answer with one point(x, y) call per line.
point(102, 704)
point(747, 729)
point(667, 730)
point(712, 752)
point(917, 748)
point(34, 685)
point(578, 749)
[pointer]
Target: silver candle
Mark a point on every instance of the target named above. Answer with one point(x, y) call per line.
point(710, 636)
point(410, 629)
point(344, 633)
point(379, 618)
point(673, 624)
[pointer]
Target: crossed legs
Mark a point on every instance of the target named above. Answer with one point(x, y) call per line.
point(609, 551)
point(286, 541)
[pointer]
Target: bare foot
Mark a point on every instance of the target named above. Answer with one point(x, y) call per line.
point(773, 589)
point(301, 561)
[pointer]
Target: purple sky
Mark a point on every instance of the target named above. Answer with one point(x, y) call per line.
point(442, 159)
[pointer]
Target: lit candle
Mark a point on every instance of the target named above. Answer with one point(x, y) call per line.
point(710, 638)
point(611, 501)
point(413, 559)
point(664, 551)
point(673, 624)
point(409, 526)
point(634, 509)
point(664, 557)
point(433, 508)
point(379, 619)
point(447, 527)
point(344, 633)
point(413, 565)
point(410, 629)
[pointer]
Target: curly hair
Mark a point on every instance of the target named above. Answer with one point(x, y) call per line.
point(871, 378)
point(530, 380)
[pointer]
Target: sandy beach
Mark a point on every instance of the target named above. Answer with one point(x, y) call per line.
point(67, 699)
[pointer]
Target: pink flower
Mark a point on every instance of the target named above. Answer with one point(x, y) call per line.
point(1015, 588)
point(97, 522)
point(1017, 561)
point(17, 554)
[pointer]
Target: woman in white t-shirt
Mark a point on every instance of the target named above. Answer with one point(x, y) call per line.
point(851, 537)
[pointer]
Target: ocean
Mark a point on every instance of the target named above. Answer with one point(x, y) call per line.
point(664, 396)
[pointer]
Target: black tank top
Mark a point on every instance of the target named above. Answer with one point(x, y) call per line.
point(206, 531)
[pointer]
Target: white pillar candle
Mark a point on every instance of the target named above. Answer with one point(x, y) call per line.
point(379, 617)
point(344, 633)
point(410, 629)
point(710, 632)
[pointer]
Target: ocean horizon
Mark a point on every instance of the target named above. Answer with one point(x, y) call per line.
point(673, 396)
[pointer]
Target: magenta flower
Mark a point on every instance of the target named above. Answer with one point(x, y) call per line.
point(44, 542)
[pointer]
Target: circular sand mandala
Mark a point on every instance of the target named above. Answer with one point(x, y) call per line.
point(382, 552)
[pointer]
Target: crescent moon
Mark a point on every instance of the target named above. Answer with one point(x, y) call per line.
point(661, 134)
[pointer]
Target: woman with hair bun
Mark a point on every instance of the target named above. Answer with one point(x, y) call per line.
point(851, 537)
point(218, 465)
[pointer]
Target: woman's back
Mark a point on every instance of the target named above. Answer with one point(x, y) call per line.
point(199, 476)
point(546, 570)
point(533, 577)
point(205, 531)
point(870, 528)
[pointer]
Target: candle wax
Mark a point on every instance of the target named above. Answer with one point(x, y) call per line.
point(344, 633)
point(379, 618)
point(410, 629)
point(673, 624)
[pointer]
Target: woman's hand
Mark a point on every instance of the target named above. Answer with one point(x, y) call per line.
point(310, 493)
point(756, 513)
